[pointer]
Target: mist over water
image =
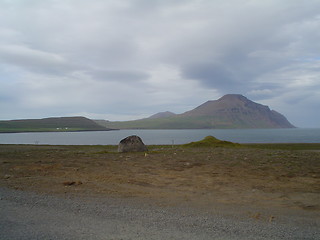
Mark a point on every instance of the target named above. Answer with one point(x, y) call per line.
point(165, 137)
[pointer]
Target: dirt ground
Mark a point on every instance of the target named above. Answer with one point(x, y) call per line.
point(264, 176)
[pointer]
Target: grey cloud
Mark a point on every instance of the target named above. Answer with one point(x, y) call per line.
point(118, 75)
point(261, 48)
point(34, 60)
point(236, 71)
point(240, 50)
point(211, 75)
point(109, 53)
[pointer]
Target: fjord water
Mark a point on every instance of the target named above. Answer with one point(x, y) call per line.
point(166, 137)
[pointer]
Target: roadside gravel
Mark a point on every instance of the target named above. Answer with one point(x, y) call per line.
point(26, 215)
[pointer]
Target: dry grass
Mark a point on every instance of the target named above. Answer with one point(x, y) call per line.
point(242, 175)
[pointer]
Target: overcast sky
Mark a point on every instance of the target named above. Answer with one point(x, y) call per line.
point(128, 59)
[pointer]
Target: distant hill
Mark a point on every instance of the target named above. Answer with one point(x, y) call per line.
point(60, 124)
point(230, 111)
point(163, 115)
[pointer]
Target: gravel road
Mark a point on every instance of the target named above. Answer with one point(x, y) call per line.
point(26, 215)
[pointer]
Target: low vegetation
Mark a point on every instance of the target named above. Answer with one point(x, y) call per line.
point(202, 173)
point(286, 146)
point(211, 141)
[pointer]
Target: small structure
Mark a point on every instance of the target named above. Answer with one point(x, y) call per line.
point(132, 144)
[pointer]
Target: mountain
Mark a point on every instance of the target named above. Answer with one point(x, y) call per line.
point(163, 115)
point(237, 110)
point(229, 111)
point(56, 124)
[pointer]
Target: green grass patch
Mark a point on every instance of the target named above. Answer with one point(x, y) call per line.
point(285, 146)
point(211, 141)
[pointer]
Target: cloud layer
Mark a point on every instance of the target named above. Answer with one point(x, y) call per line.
point(128, 59)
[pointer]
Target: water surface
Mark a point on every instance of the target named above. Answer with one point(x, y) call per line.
point(290, 135)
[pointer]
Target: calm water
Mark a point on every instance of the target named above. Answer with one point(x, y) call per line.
point(295, 135)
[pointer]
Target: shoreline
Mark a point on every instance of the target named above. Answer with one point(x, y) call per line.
point(260, 145)
point(124, 129)
point(35, 131)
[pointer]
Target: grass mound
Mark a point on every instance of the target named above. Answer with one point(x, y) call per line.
point(211, 141)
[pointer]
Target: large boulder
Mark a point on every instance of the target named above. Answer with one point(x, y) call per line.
point(132, 144)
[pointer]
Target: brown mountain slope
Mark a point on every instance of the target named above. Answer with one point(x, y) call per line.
point(237, 110)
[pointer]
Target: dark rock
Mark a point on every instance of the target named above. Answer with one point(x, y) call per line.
point(69, 183)
point(132, 144)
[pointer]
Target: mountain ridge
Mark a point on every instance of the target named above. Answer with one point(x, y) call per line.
point(51, 124)
point(162, 115)
point(229, 111)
